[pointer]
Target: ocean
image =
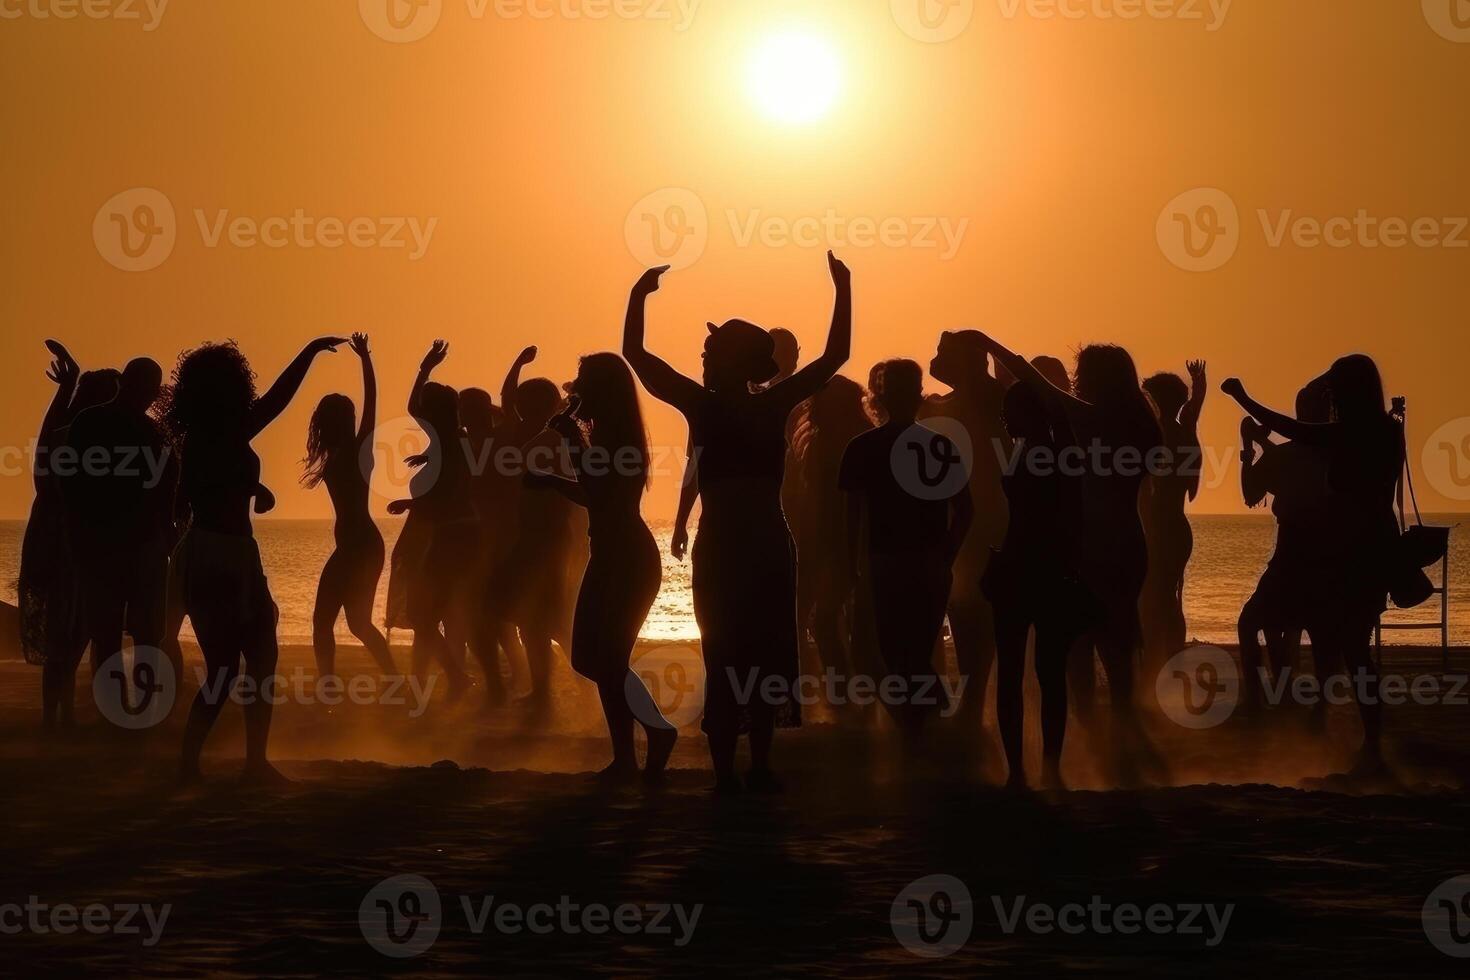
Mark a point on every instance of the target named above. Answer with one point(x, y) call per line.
point(1230, 552)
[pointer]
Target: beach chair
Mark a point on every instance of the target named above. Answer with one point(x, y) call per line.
point(1441, 542)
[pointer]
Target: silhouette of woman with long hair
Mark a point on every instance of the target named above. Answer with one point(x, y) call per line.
point(349, 580)
point(1365, 448)
point(1291, 595)
point(610, 460)
point(744, 576)
point(1034, 583)
point(494, 505)
point(825, 581)
point(438, 593)
point(536, 583)
point(913, 533)
point(1170, 538)
point(214, 413)
point(975, 402)
point(53, 630)
point(1115, 427)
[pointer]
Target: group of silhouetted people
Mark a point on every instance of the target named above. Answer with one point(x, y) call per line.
point(842, 526)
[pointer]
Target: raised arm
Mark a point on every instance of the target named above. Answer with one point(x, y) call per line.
point(661, 380)
point(1310, 433)
point(1056, 399)
point(369, 420)
point(64, 373)
point(511, 386)
point(810, 379)
point(438, 350)
point(565, 425)
point(1199, 386)
point(269, 406)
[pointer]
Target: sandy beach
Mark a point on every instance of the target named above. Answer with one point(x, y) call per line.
point(1319, 875)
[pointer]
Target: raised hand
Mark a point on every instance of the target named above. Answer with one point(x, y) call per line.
point(438, 350)
point(359, 345)
point(565, 424)
point(1196, 370)
point(323, 344)
point(64, 369)
point(1233, 388)
point(841, 274)
point(649, 281)
point(526, 356)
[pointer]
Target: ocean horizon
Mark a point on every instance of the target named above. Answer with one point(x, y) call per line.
point(1229, 554)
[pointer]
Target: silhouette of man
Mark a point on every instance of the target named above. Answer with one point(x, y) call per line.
point(120, 496)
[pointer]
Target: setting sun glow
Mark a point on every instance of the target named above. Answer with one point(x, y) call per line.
point(794, 77)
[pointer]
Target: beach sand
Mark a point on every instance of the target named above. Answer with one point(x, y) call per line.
point(1325, 879)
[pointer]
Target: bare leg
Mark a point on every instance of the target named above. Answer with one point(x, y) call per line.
point(1010, 633)
point(261, 656)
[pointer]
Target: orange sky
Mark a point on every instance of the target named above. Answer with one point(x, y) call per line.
point(1053, 143)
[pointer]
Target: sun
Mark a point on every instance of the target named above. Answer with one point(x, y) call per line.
point(794, 77)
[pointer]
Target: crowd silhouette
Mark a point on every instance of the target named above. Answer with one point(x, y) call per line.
point(842, 526)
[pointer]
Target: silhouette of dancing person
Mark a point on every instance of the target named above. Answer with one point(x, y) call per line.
point(610, 461)
point(744, 576)
point(535, 584)
point(1034, 582)
point(213, 413)
point(1116, 431)
point(974, 402)
point(1291, 596)
point(1365, 448)
point(438, 593)
point(787, 355)
point(335, 456)
point(1170, 538)
point(493, 498)
point(53, 629)
point(909, 491)
point(825, 584)
point(121, 505)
